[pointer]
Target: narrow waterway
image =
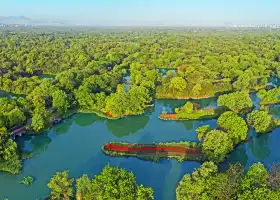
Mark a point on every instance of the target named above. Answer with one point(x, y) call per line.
point(75, 145)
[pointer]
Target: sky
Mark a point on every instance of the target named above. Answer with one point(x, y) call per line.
point(147, 12)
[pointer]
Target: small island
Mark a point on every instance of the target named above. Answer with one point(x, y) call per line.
point(269, 97)
point(155, 152)
point(191, 111)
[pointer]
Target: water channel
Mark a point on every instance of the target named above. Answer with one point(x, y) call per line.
point(75, 145)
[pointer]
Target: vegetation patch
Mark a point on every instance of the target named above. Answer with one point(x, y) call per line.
point(27, 181)
point(181, 150)
point(218, 143)
point(191, 111)
point(207, 182)
point(9, 155)
point(269, 97)
point(239, 102)
point(111, 183)
point(261, 121)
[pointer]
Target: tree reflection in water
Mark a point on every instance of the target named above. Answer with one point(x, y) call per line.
point(87, 119)
point(126, 126)
point(259, 145)
point(35, 144)
point(239, 155)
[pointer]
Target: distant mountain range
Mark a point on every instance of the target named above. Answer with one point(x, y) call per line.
point(22, 20)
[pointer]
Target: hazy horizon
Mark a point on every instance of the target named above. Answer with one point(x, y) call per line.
point(147, 12)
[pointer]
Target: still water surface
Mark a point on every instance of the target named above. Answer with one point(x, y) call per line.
point(75, 145)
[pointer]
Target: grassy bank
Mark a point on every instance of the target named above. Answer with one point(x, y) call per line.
point(208, 113)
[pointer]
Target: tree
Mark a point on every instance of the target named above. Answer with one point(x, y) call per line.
point(274, 178)
point(120, 89)
point(216, 145)
point(270, 96)
point(234, 125)
point(61, 186)
point(254, 183)
point(38, 122)
point(199, 184)
point(132, 102)
point(242, 83)
point(228, 189)
point(40, 118)
point(16, 117)
point(239, 102)
point(178, 84)
point(9, 158)
point(118, 184)
point(202, 131)
point(260, 120)
point(60, 101)
point(144, 193)
point(11, 113)
point(196, 90)
point(84, 188)
point(207, 183)
point(188, 107)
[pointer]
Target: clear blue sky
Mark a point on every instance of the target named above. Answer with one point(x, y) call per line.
point(147, 12)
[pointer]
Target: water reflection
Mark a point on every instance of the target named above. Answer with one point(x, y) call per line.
point(204, 103)
point(144, 170)
point(256, 100)
point(34, 144)
point(88, 157)
point(239, 155)
point(171, 179)
point(170, 105)
point(63, 127)
point(188, 125)
point(85, 119)
point(126, 126)
point(146, 138)
point(274, 81)
point(275, 110)
point(259, 145)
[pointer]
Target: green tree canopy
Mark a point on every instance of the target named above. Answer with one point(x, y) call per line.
point(178, 84)
point(9, 158)
point(61, 186)
point(239, 102)
point(260, 120)
point(207, 183)
point(234, 125)
point(60, 101)
point(216, 145)
point(113, 184)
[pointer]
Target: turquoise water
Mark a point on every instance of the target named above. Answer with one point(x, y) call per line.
point(75, 145)
point(262, 148)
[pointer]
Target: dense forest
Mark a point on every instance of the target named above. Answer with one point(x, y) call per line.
point(51, 74)
point(112, 183)
point(207, 182)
